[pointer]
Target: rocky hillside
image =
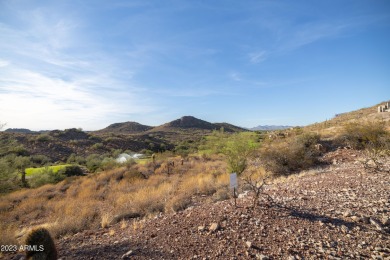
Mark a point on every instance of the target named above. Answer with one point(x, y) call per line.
point(368, 113)
point(336, 212)
point(60, 144)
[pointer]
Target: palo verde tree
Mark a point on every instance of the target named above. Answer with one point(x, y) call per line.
point(238, 148)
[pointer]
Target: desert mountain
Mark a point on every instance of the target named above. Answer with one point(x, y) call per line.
point(184, 123)
point(229, 127)
point(125, 128)
point(19, 130)
point(189, 122)
point(270, 127)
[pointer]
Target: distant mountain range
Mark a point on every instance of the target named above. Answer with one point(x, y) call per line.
point(186, 123)
point(270, 127)
point(24, 131)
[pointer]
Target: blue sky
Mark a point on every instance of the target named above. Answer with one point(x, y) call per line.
point(89, 63)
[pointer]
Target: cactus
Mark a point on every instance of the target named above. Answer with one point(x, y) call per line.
point(45, 248)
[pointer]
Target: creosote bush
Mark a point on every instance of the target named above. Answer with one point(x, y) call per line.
point(283, 157)
point(363, 135)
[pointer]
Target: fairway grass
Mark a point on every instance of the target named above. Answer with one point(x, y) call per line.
point(54, 168)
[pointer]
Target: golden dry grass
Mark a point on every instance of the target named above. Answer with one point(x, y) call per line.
point(116, 195)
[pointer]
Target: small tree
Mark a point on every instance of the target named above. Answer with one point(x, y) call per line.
point(238, 148)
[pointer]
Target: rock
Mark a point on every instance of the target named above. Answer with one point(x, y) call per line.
point(128, 255)
point(348, 213)
point(214, 227)
point(355, 218)
point(262, 257)
point(386, 221)
point(201, 228)
point(344, 229)
point(248, 244)
point(365, 220)
point(376, 224)
point(243, 195)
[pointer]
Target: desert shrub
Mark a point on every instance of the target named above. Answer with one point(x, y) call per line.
point(44, 138)
point(238, 148)
point(72, 170)
point(10, 168)
point(178, 202)
point(40, 159)
point(7, 142)
point(8, 179)
point(76, 159)
point(290, 155)
point(221, 194)
point(94, 138)
point(371, 134)
point(97, 146)
point(19, 150)
point(93, 162)
point(116, 152)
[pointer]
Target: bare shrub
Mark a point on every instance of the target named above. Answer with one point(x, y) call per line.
point(376, 159)
point(255, 182)
point(179, 202)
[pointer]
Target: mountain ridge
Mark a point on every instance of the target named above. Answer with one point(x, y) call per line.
point(270, 127)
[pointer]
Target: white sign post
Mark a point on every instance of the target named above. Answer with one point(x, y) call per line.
point(234, 185)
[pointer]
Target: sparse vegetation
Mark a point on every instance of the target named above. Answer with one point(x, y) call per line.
point(286, 156)
point(123, 192)
point(365, 135)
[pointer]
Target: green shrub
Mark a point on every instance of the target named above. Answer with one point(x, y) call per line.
point(19, 150)
point(44, 138)
point(76, 159)
point(238, 148)
point(360, 136)
point(40, 159)
point(72, 170)
point(93, 162)
point(97, 146)
point(10, 168)
point(290, 155)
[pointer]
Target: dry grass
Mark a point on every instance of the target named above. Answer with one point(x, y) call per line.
point(107, 219)
point(102, 199)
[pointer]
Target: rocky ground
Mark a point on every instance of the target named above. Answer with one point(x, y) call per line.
point(335, 212)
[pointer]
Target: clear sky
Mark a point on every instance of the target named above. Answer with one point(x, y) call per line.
point(88, 64)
